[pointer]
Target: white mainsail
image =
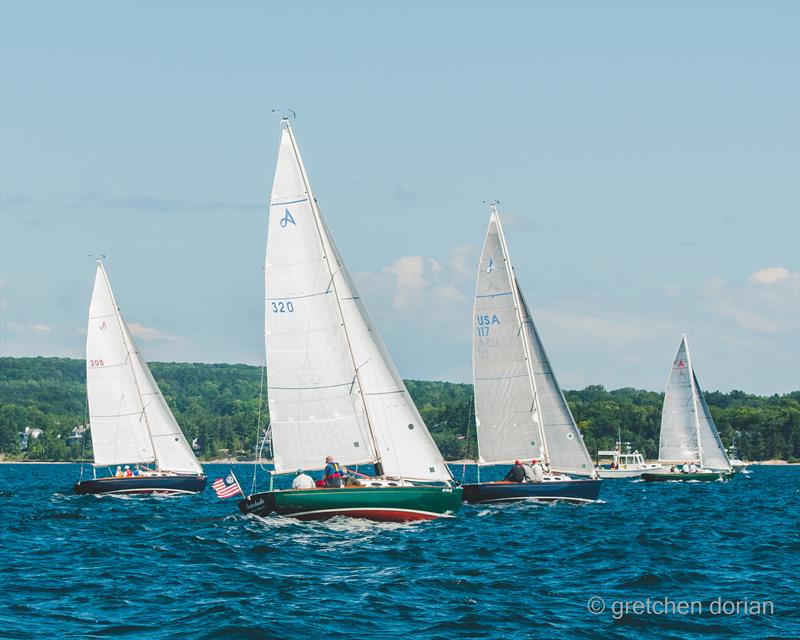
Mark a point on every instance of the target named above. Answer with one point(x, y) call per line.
point(520, 410)
point(332, 387)
point(507, 421)
point(129, 418)
point(678, 439)
point(688, 433)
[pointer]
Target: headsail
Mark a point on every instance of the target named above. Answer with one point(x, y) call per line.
point(520, 410)
point(712, 450)
point(130, 420)
point(566, 451)
point(332, 387)
point(679, 425)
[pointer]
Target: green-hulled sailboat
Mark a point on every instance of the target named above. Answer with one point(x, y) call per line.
point(332, 387)
point(688, 434)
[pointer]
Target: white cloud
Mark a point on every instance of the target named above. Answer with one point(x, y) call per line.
point(463, 260)
point(38, 328)
point(409, 279)
point(770, 275)
point(149, 334)
point(768, 309)
point(672, 291)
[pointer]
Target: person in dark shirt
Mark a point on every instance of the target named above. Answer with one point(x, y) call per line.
point(516, 473)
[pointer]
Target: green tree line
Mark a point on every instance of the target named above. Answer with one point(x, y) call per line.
point(217, 405)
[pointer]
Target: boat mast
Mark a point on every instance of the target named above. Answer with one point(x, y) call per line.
point(318, 223)
point(535, 413)
point(694, 401)
point(131, 351)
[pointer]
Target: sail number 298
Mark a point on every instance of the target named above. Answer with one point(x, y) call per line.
point(282, 307)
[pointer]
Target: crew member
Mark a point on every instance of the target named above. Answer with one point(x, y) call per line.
point(303, 481)
point(516, 473)
point(333, 473)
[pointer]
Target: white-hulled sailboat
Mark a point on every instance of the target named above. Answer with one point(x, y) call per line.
point(688, 433)
point(332, 387)
point(129, 420)
point(520, 411)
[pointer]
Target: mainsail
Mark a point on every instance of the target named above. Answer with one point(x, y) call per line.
point(129, 418)
point(520, 410)
point(688, 433)
point(332, 387)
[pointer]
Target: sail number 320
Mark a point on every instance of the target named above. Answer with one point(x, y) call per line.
point(282, 307)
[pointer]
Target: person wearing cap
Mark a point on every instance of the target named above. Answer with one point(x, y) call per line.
point(333, 473)
point(516, 473)
point(119, 473)
point(303, 481)
point(128, 472)
point(534, 471)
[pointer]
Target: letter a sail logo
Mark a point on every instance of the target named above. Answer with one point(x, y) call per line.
point(287, 218)
point(490, 266)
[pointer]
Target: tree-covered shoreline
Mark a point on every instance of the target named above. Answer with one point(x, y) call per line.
point(218, 406)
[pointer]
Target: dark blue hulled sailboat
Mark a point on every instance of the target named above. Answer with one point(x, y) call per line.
point(520, 411)
point(130, 422)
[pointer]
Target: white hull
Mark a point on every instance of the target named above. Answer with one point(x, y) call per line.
point(628, 473)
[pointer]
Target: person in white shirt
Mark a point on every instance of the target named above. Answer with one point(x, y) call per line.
point(534, 471)
point(693, 468)
point(303, 481)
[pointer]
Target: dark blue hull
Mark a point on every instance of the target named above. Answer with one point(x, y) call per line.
point(169, 485)
point(568, 490)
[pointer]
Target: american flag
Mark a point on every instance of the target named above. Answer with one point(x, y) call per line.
point(227, 487)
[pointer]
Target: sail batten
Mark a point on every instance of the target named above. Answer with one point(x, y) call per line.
point(332, 387)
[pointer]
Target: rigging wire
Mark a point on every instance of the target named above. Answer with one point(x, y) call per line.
point(466, 444)
point(258, 429)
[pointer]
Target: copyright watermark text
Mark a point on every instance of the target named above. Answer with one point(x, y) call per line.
point(665, 606)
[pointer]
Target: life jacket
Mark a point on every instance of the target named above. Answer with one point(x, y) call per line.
point(333, 477)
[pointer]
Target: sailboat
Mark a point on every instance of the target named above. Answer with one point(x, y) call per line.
point(129, 420)
point(688, 433)
point(520, 411)
point(332, 387)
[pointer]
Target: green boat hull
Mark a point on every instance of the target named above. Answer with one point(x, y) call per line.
point(388, 504)
point(708, 476)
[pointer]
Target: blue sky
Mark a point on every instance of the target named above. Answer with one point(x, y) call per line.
point(646, 156)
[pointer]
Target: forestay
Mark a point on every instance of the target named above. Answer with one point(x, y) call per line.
point(130, 420)
point(679, 426)
point(333, 389)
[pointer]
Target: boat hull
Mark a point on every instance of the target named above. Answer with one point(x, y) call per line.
point(143, 485)
point(708, 476)
point(562, 490)
point(390, 504)
point(610, 474)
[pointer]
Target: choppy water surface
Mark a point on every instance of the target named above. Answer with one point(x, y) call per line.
point(193, 568)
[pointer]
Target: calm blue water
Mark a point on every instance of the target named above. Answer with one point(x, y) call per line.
point(193, 568)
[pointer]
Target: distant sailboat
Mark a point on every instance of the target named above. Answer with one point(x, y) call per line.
point(520, 411)
point(130, 422)
point(332, 387)
point(688, 433)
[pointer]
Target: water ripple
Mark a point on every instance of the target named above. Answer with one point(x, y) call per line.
point(193, 567)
